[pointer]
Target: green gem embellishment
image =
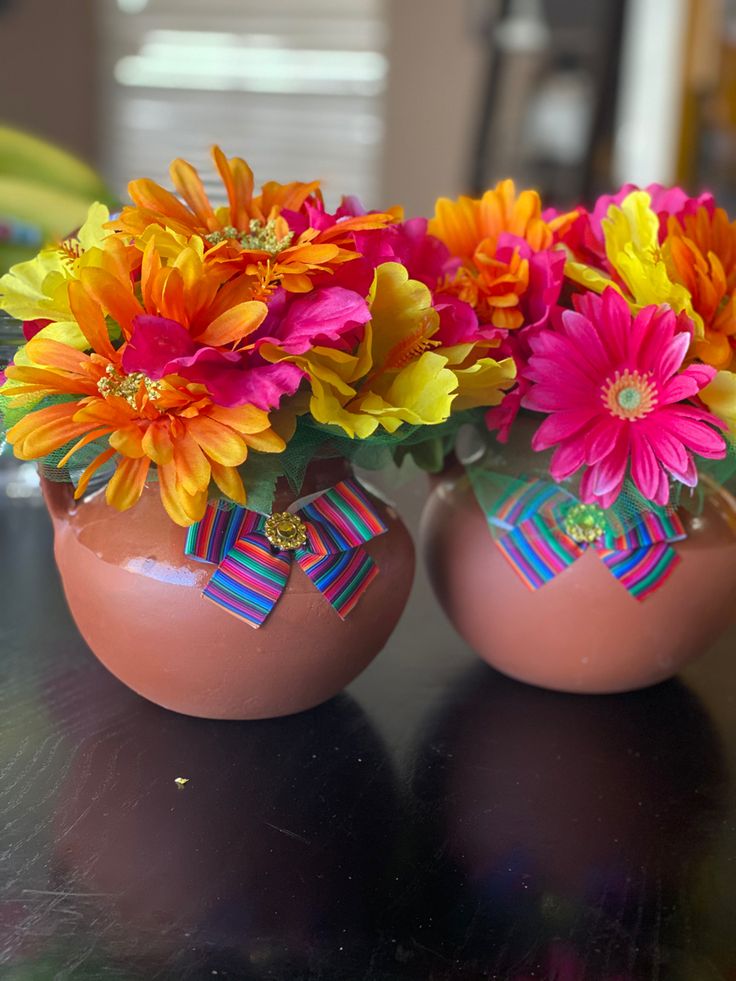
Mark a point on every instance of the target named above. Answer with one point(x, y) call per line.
point(585, 522)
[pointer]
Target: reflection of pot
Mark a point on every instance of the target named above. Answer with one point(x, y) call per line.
point(568, 816)
point(137, 601)
point(582, 631)
point(272, 854)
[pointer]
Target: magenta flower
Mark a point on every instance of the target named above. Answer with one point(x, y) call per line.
point(617, 399)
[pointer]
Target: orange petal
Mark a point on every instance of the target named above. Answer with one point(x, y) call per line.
point(243, 419)
point(220, 443)
point(51, 381)
point(234, 324)
point(189, 185)
point(126, 484)
point(230, 483)
point(157, 443)
point(129, 442)
point(89, 438)
point(54, 354)
point(41, 432)
point(192, 466)
point(91, 322)
point(182, 508)
point(151, 196)
point(266, 442)
point(114, 296)
point(238, 180)
point(93, 467)
point(150, 269)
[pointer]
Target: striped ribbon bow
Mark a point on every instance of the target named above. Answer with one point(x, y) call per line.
point(547, 529)
point(253, 552)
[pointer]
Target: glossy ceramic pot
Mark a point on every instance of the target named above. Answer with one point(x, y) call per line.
point(581, 632)
point(136, 599)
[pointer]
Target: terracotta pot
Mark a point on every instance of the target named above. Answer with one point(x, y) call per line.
point(136, 599)
point(581, 632)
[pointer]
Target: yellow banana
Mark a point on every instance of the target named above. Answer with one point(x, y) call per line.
point(34, 159)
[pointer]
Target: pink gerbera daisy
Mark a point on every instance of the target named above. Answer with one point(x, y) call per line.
point(616, 397)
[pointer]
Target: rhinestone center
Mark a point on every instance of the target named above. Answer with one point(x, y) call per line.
point(285, 530)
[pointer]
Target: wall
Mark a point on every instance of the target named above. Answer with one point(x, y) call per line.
point(437, 66)
point(47, 73)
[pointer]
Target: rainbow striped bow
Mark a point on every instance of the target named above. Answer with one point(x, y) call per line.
point(547, 529)
point(254, 552)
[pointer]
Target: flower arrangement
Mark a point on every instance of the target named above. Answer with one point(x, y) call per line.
point(621, 322)
point(215, 348)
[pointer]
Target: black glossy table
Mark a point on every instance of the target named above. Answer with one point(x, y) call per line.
point(437, 821)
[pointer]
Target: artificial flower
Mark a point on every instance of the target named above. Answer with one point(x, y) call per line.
point(700, 253)
point(402, 369)
point(168, 421)
point(635, 263)
point(585, 239)
point(503, 243)
point(282, 237)
point(617, 399)
point(36, 291)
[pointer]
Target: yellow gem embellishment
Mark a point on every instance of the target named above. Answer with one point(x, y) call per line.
point(585, 522)
point(285, 530)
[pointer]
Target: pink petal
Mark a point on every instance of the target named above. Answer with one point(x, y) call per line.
point(458, 321)
point(693, 432)
point(617, 319)
point(560, 426)
point(674, 354)
point(669, 450)
point(645, 470)
point(602, 438)
point(611, 470)
point(154, 343)
point(566, 460)
point(587, 342)
point(320, 317)
point(230, 381)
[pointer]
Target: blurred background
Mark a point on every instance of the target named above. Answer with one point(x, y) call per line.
point(394, 100)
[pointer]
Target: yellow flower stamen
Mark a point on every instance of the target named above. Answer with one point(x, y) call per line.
point(127, 386)
point(629, 395)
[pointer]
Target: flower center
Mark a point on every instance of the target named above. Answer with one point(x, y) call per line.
point(127, 386)
point(285, 530)
point(585, 522)
point(260, 237)
point(629, 395)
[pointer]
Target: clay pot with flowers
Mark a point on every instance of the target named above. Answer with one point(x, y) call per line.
point(200, 382)
point(589, 545)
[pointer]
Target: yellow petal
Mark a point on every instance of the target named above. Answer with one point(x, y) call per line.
point(720, 397)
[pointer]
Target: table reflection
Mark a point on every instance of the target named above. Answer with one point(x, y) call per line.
point(269, 859)
point(572, 825)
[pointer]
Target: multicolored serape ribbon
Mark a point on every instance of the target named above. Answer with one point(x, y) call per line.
point(547, 529)
point(254, 552)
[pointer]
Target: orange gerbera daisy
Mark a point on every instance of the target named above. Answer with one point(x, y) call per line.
point(700, 254)
point(270, 236)
point(495, 237)
point(169, 421)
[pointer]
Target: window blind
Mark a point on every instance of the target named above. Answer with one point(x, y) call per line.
point(295, 87)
